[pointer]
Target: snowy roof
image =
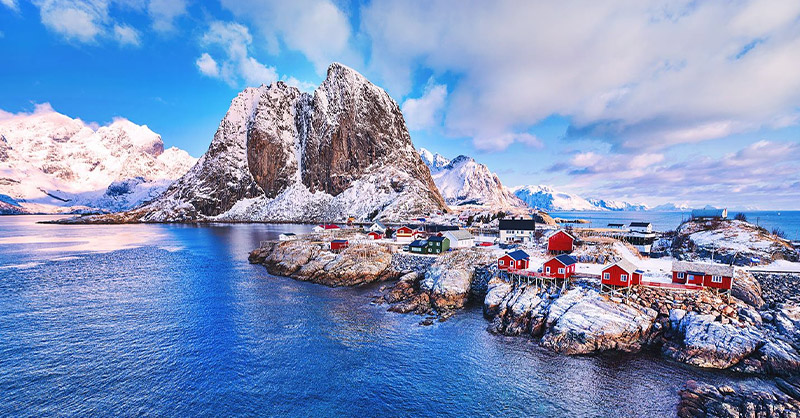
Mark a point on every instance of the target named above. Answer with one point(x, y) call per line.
point(460, 234)
point(379, 224)
point(565, 259)
point(625, 265)
point(518, 255)
point(705, 268)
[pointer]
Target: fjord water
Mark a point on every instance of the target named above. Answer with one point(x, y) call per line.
point(171, 320)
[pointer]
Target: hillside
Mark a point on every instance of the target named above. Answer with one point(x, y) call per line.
point(731, 241)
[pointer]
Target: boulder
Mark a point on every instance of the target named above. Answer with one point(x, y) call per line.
point(712, 344)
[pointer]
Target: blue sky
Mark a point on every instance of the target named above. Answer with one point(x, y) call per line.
point(655, 102)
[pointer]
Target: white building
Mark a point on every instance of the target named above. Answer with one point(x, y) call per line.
point(378, 227)
point(287, 236)
point(460, 238)
point(517, 230)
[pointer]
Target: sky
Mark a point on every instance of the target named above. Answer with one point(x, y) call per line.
point(674, 101)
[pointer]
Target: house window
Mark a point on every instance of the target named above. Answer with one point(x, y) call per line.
point(680, 275)
point(716, 279)
point(606, 276)
point(547, 270)
point(623, 277)
point(561, 270)
point(502, 262)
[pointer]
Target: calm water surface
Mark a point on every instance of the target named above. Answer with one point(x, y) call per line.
point(171, 320)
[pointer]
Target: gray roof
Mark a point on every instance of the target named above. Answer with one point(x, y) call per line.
point(517, 224)
point(460, 234)
point(418, 243)
point(705, 268)
point(640, 224)
point(566, 259)
point(625, 265)
point(518, 255)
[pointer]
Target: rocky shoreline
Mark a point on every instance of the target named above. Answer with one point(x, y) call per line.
point(745, 334)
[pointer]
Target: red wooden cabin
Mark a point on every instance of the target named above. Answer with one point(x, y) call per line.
point(516, 260)
point(621, 273)
point(374, 235)
point(560, 242)
point(717, 276)
point(339, 244)
point(559, 267)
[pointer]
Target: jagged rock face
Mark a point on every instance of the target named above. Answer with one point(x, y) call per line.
point(283, 155)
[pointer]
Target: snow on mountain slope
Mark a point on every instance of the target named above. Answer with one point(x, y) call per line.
point(463, 181)
point(51, 163)
point(435, 162)
point(547, 198)
point(284, 155)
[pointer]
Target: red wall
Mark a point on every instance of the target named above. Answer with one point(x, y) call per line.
point(616, 272)
point(510, 263)
point(560, 241)
point(338, 245)
point(554, 266)
point(726, 282)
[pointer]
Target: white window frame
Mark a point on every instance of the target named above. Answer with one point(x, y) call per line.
point(502, 262)
point(547, 270)
point(623, 278)
point(561, 270)
point(680, 275)
point(716, 279)
point(606, 276)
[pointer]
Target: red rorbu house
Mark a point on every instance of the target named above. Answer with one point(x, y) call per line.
point(621, 273)
point(717, 276)
point(560, 242)
point(516, 260)
point(325, 227)
point(339, 244)
point(559, 267)
point(374, 235)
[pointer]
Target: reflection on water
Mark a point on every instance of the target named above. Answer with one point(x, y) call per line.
point(180, 324)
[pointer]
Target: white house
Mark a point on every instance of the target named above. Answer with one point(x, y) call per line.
point(378, 227)
point(287, 236)
point(460, 238)
point(517, 230)
point(643, 227)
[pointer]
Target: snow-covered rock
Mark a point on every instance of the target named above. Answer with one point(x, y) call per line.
point(283, 155)
point(738, 239)
point(463, 181)
point(51, 163)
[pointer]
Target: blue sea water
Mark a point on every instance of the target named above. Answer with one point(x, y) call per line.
point(787, 221)
point(171, 320)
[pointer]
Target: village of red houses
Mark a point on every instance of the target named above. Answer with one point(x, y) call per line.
point(529, 251)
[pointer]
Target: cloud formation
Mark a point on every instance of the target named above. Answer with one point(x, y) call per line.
point(425, 111)
point(233, 41)
point(126, 35)
point(640, 75)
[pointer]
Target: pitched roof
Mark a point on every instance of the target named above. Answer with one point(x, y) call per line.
point(438, 239)
point(419, 243)
point(340, 241)
point(560, 231)
point(625, 265)
point(615, 224)
point(565, 259)
point(460, 234)
point(518, 224)
point(288, 234)
point(640, 224)
point(705, 268)
point(379, 224)
point(518, 255)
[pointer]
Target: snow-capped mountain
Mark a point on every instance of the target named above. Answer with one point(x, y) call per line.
point(284, 155)
point(671, 207)
point(51, 163)
point(463, 181)
point(547, 198)
point(435, 162)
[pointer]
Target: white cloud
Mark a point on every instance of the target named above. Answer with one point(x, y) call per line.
point(639, 74)
point(316, 28)
point(207, 65)
point(11, 4)
point(302, 85)
point(500, 142)
point(234, 40)
point(126, 35)
point(76, 20)
point(424, 112)
point(164, 12)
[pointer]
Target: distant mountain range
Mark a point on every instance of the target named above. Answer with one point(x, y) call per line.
point(463, 181)
point(548, 198)
point(51, 163)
